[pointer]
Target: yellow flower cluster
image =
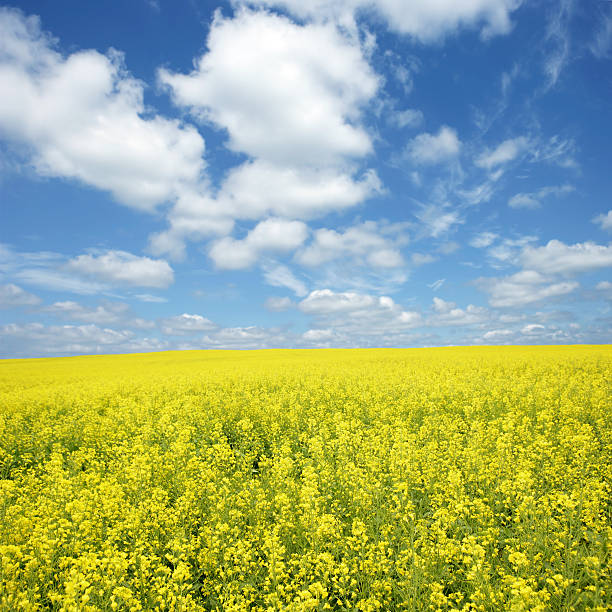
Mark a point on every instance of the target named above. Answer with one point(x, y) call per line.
point(426, 479)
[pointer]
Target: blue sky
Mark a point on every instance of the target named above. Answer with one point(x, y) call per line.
point(264, 174)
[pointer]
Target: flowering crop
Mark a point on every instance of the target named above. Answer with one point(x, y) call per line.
point(425, 479)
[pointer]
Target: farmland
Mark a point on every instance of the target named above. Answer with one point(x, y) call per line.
point(420, 479)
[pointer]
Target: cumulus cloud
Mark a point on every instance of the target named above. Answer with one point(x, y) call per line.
point(559, 258)
point(442, 306)
point(271, 235)
point(508, 250)
point(45, 269)
point(533, 329)
point(194, 216)
point(35, 339)
point(503, 153)
point(447, 314)
point(285, 93)
point(434, 148)
point(369, 243)
point(425, 21)
point(497, 334)
point(83, 117)
point(108, 313)
point(123, 268)
point(185, 324)
point(524, 287)
point(604, 220)
point(319, 336)
point(257, 188)
point(251, 337)
point(13, 296)
point(364, 313)
point(290, 97)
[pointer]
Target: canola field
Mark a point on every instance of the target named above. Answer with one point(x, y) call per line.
point(421, 479)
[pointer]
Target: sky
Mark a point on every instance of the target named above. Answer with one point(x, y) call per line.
point(278, 173)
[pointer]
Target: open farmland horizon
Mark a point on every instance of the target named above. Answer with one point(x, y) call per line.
point(456, 478)
point(298, 350)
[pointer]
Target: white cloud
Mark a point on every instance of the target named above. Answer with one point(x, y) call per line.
point(409, 117)
point(278, 304)
point(362, 313)
point(57, 280)
point(448, 314)
point(604, 286)
point(185, 324)
point(281, 276)
point(524, 287)
point(259, 187)
point(480, 193)
point(83, 117)
point(369, 243)
point(386, 258)
point(194, 216)
point(503, 153)
point(290, 97)
point(108, 313)
point(251, 337)
point(35, 339)
point(559, 258)
point(13, 296)
point(43, 269)
point(426, 21)
point(533, 329)
point(508, 250)
point(94, 273)
point(497, 334)
point(533, 200)
point(483, 240)
point(318, 336)
point(326, 301)
point(419, 259)
point(285, 93)
point(437, 220)
point(434, 148)
point(523, 200)
point(604, 220)
point(271, 235)
point(441, 306)
point(123, 268)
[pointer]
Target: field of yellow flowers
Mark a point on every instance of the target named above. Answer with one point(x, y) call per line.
point(421, 479)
